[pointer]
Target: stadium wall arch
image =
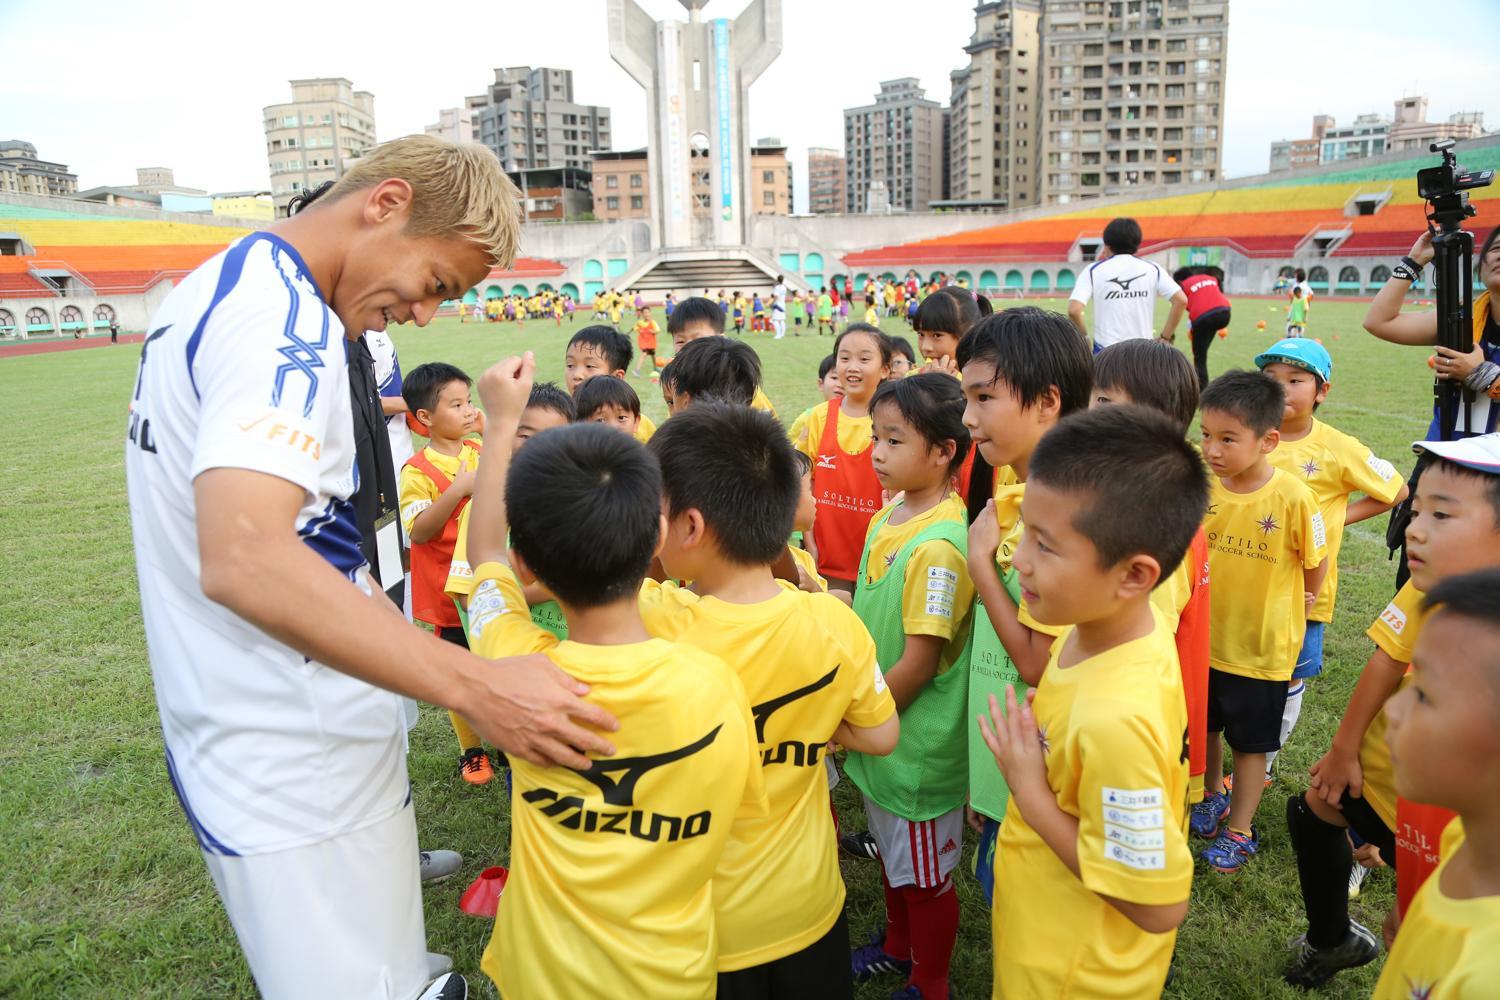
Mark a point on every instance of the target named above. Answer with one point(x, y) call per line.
point(88, 315)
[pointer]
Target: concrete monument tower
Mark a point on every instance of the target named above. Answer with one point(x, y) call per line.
point(697, 77)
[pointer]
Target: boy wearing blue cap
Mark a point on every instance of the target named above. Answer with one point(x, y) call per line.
point(1335, 466)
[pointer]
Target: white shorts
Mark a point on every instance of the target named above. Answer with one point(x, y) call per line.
point(340, 918)
point(917, 853)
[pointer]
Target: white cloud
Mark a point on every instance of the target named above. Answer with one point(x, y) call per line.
point(179, 84)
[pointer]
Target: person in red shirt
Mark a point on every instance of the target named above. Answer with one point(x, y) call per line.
point(1208, 312)
point(646, 330)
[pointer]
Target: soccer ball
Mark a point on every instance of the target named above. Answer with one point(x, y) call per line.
point(1260, 325)
point(1224, 333)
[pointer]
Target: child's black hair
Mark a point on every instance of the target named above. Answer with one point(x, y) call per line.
point(1033, 350)
point(1151, 373)
point(735, 466)
point(424, 384)
point(1144, 488)
point(717, 368)
point(902, 346)
point(605, 390)
point(1122, 235)
point(1491, 480)
point(1475, 596)
point(667, 377)
point(584, 504)
point(933, 404)
point(804, 464)
point(1255, 399)
point(608, 341)
point(950, 310)
point(881, 340)
point(550, 396)
point(1184, 273)
point(696, 308)
point(826, 365)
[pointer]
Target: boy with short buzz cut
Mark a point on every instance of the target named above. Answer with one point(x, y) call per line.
point(696, 318)
point(612, 867)
point(547, 407)
point(609, 400)
point(1442, 733)
point(714, 368)
point(731, 486)
point(601, 350)
point(1336, 466)
point(1268, 556)
point(1093, 869)
point(435, 487)
point(1454, 530)
point(1155, 374)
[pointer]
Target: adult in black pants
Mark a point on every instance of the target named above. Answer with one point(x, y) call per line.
point(1208, 311)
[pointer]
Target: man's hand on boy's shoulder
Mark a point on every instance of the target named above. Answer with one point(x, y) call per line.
point(505, 386)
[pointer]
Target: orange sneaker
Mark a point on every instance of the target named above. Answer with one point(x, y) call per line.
point(475, 767)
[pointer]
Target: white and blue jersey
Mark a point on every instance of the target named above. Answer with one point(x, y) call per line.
point(1124, 290)
point(243, 366)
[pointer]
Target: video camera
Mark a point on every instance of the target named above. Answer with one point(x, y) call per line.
point(1445, 189)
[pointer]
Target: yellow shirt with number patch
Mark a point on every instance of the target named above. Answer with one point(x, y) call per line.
point(612, 869)
point(1259, 546)
point(937, 595)
point(417, 489)
point(807, 664)
point(1395, 631)
point(1114, 735)
point(1448, 948)
point(1334, 465)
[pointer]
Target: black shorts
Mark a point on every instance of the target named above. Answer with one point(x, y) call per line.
point(818, 972)
point(452, 633)
point(1247, 710)
point(1210, 322)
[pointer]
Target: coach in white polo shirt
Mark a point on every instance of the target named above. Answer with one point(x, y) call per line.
point(1124, 290)
point(277, 661)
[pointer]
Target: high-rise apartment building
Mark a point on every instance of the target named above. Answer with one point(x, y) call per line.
point(1294, 154)
point(529, 119)
point(825, 181)
point(770, 178)
point(453, 124)
point(898, 141)
point(313, 138)
point(1133, 95)
point(1373, 134)
point(22, 173)
point(992, 114)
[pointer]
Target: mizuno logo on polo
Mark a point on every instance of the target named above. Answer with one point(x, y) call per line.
point(1125, 283)
point(571, 813)
point(826, 461)
point(798, 753)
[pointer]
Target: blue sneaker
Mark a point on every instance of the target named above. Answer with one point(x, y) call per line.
point(868, 961)
point(1232, 851)
point(1209, 815)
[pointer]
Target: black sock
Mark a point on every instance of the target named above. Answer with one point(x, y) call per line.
point(1323, 862)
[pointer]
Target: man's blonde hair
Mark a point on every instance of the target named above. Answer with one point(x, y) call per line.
point(458, 189)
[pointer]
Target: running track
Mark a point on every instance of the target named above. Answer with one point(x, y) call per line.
point(15, 350)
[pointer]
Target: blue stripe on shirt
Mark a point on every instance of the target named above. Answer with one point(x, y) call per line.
point(334, 535)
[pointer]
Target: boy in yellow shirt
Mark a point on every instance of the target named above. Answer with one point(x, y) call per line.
point(1267, 555)
point(698, 317)
point(1454, 530)
point(731, 486)
point(1442, 733)
point(611, 880)
point(1093, 871)
point(1335, 466)
point(601, 350)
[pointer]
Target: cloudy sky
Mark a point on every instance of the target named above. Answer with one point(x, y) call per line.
point(116, 86)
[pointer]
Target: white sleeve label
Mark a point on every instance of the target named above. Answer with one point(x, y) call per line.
point(411, 510)
point(486, 605)
point(1394, 618)
point(879, 678)
point(1133, 798)
point(1145, 819)
point(1319, 534)
point(942, 586)
point(1136, 840)
point(1141, 860)
point(1385, 470)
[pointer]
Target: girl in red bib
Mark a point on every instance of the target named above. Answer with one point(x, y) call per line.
point(838, 443)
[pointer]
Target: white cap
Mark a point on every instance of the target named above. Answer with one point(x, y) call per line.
point(1481, 453)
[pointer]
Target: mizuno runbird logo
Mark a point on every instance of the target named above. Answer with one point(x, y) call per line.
point(1125, 283)
point(762, 712)
point(622, 792)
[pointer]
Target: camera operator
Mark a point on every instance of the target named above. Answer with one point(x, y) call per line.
point(1477, 369)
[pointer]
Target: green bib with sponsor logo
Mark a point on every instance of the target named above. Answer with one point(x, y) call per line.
point(927, 774)
point(990, 673)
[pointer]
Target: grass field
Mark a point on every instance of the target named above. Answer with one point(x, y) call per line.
point(102, 889)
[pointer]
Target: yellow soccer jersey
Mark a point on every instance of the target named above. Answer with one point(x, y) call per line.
point(1448, 949)
point(644, 429)
point(1259, 545)
point(805, 562)
point(460, 573)
point(1114, 731)
point(854, 433)
point(611, 869)
point(807, 664)
point(418, 491)
point(798, 431)
point(938, 592)
point(1008, 495)
point(1395, 631)
point(1334, 465)
point(761, 401)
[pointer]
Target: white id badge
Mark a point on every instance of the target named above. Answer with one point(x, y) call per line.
point(388, 551)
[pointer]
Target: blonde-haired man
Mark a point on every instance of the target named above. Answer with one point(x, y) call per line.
point(277, 661)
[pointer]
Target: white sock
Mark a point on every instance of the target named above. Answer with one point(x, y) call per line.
point(1289, 716)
